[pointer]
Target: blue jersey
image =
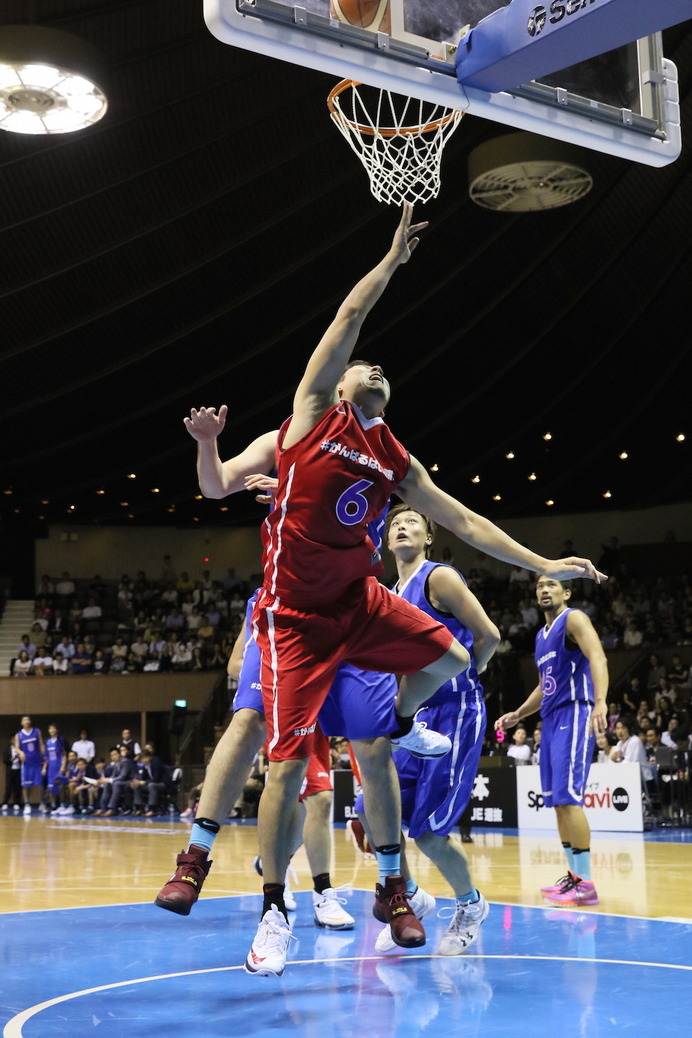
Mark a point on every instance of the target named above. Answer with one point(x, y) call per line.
point(564, 671)
point(30, 743)
point(55, 749)
point(415, 590)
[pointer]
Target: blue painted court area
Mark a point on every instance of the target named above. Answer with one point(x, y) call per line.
point(136, 969)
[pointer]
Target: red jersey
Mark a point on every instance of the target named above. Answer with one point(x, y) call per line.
point(332, 483)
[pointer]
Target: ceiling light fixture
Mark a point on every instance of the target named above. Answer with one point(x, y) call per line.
point(50, 81)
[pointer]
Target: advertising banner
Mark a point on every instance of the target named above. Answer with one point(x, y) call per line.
point(613, 799)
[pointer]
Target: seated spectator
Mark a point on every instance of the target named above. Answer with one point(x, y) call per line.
point(632, 695)
point(170, 596)
point(65, 784)
point(536, 748)
point(181, 657)
point(605, 741)
point(101, 664)
point(678, 674)
point(629, 746)
point(653, 741)
point(217, 659)
point(84, 788)
point(609, 637)
point(613, 715)
point(656, 670)
point(166, 658)
point(43, 615)
point(26, 645)
point(156, 641)
point(107, 778)
point(65, 587)
point(653, 636)
point(632, 637)
point(668, 736)
point(43, 663)
point(664, 711)
point(175, 621)
point(65, 647)
point(121, 795)
point(198, 661)
point(133, 664)
point(39, 635)
point(119, 649)
point(140, 647)
point(92, 611)
point(194, 619)
point(61, 664)
point(152, 782)
point(184, 584)
point(520, 750)
point(82, 661)
point(23, 666)
point(644, 715)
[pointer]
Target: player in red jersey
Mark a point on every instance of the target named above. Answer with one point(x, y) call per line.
point(321, 602)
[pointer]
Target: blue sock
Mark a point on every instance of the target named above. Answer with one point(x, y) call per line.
point(388, 860)
point(203, 833)
point(411, 885)
point(582, 862)
point(472, 898)
point(567, 848)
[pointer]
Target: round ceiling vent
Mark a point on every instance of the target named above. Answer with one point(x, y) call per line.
point(522, 172)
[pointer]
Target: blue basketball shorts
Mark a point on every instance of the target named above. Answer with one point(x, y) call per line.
point(567, 746)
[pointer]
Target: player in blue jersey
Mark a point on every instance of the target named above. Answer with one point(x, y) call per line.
point(32, 753)
point(56, 754)
point(434, 793)
point(571, 695)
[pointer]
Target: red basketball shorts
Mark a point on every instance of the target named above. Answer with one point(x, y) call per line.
point(366, 625)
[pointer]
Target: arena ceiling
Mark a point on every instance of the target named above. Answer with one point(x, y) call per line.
point(190, 249)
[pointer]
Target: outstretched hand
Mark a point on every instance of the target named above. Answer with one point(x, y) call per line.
point(573, 568)
point(206, 424)
point(405, 240)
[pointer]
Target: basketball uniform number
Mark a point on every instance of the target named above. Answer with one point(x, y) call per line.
point(353, 505)
point(549, 684)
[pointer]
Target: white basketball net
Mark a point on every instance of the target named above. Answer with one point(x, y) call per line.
point(398, 139)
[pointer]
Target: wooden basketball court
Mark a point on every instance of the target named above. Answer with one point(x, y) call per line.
point(84, 947)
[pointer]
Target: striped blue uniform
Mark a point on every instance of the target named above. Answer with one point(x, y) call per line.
point(435, 792)
point(32, 767)
point(567, 743)
point(56, 747)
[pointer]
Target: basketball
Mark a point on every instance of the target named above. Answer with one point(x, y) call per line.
point(369, 14)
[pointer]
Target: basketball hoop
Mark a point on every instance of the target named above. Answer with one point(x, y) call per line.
point(398, 139)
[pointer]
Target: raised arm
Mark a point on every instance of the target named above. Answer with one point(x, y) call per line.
point(218, 479)
point(449, 594)
point(418, 490)
point(316, 390)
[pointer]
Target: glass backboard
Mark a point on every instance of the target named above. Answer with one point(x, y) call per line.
point(623, 103)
